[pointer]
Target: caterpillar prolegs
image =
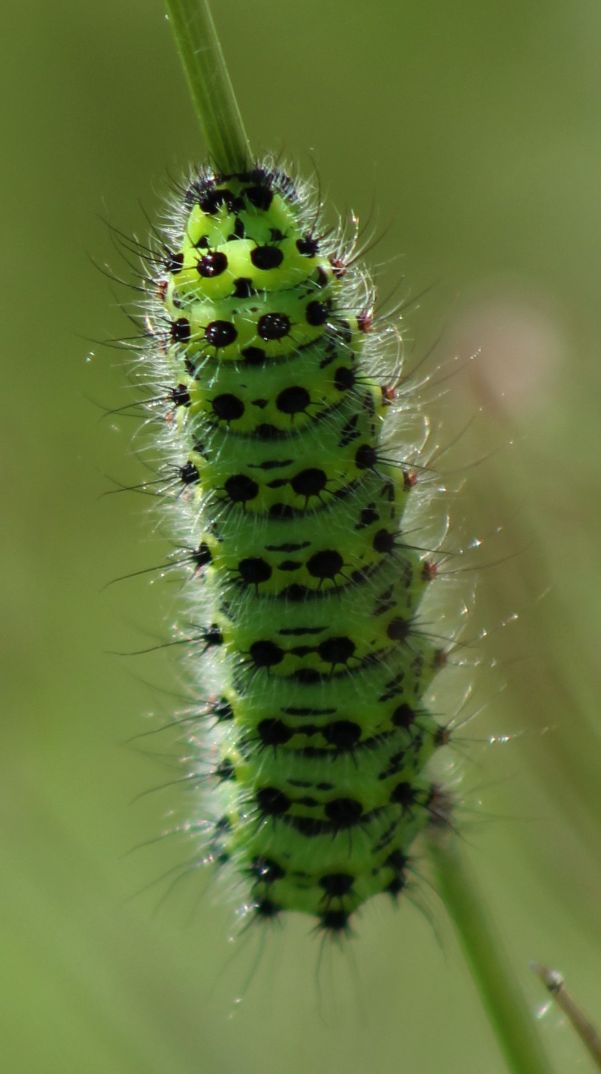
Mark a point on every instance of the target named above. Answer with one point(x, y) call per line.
point(293, 501)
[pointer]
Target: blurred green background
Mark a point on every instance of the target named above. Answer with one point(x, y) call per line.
point(468, 136)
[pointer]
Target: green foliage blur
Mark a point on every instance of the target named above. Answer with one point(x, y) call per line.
point(468, 138)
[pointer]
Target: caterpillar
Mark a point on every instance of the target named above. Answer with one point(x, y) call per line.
point(291, 500)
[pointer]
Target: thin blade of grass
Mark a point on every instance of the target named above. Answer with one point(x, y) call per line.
point(209, 83)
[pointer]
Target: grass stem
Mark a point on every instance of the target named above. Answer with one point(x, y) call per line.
point(210, 84)
point(585, 1029)
point(486, 957)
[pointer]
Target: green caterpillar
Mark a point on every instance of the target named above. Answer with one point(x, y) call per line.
point(294, 509)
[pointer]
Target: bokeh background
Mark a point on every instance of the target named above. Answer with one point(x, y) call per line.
point(468, 137)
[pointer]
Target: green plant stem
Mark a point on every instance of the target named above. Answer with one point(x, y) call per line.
point(210, 84)
point(486, 957)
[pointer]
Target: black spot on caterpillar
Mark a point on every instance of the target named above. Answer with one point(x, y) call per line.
point(294, 502)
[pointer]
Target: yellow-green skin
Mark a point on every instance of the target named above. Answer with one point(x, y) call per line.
point(313, 592)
